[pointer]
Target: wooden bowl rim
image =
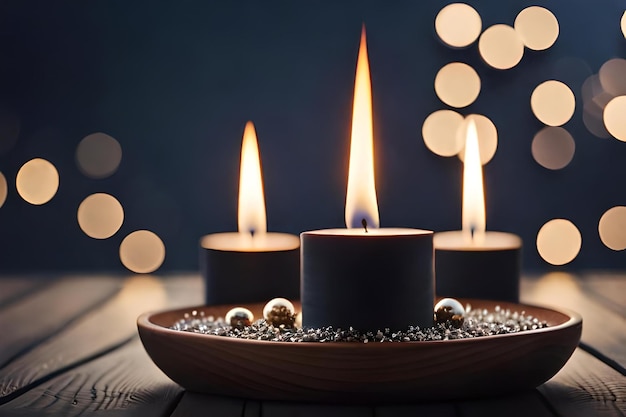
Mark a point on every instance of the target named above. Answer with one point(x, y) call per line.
point(146, 322)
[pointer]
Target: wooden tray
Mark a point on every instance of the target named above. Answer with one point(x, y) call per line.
point(361, 373)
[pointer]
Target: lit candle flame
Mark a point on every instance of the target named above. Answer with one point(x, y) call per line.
point(361, 204)
point(473, 192)
point(251, 213)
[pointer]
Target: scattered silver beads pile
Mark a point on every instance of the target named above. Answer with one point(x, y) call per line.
point(477, 323)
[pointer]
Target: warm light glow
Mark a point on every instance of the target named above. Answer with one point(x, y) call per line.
point(473, 192)
point(37, 181)
point(537, 27)
point(142, 252)
point(612, 228)
point(623, 24)
point(458, 25)
point(440, 132)
point(559, 241)
point(251, 215)
point(100, 216)
point(553, 103)
point(501, 47)
point(3, 189)
point(457, 84)
point(487, 137)
point(361, 201)
point(614, 118)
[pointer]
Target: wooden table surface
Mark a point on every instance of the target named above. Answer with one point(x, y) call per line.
point(69, 347)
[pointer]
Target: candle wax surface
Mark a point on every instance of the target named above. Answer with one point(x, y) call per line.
point(244, 242)
point(386, 231)
point(456, 240)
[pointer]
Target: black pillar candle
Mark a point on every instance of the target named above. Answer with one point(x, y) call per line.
point(367, 280)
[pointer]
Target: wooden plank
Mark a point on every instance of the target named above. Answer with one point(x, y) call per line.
point(609, 289)
point(252, 408)
point(604, 330)
point(586, 387)
point(183, 290)
point(105, 328)
point(122, 383)
point(280, 409)
point(12, 288)
point(427, 409)
point(200, 405)
point(46, 312)
point(523, 405)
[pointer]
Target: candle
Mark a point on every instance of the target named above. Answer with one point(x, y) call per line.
point(473, 262)
point(364, 276)
point(250, 265)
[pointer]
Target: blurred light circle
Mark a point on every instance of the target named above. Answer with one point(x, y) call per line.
point(142, 252)
point(501, 47)
point(37, 181)
point(553, 147)
point(612, 228)
point(457, 84)
point(98, 155)
point(458, 25)
point(615, 118)
point(559, 241)
point(553, 103)
point(595, 100)
point(591, 88)
point(612, 76)
point(487, 137)
point(537, 27)
point(4, 189)
point(100, 216)
point(623, 24)
point(440, 132)
point(592, 119)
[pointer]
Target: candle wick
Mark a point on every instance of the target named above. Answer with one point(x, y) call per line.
point(472, 232)
point(251, 232)
point(364, 223)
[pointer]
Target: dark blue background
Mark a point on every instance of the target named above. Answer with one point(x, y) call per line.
point(175, 81)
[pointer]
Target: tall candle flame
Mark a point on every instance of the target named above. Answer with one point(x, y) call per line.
point(361, 204)
point(473, 192)
point(251, 214)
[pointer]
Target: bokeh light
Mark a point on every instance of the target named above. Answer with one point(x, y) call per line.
point(487, 137)
point(458, 25)
point(501, 47)
point(9, 130)
point(595, 100)
point(4, 189)
point(98, 155)
point(537, 27)
point(612, 76)
point(559, 241)
point(37, 181)
point(623, 24)
point(615, 118)
point(553, 147)
point(142, 252)
point(100, 216)
point(457, 84)
point(440, 132)
point(553, 103)
point(612, 228)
